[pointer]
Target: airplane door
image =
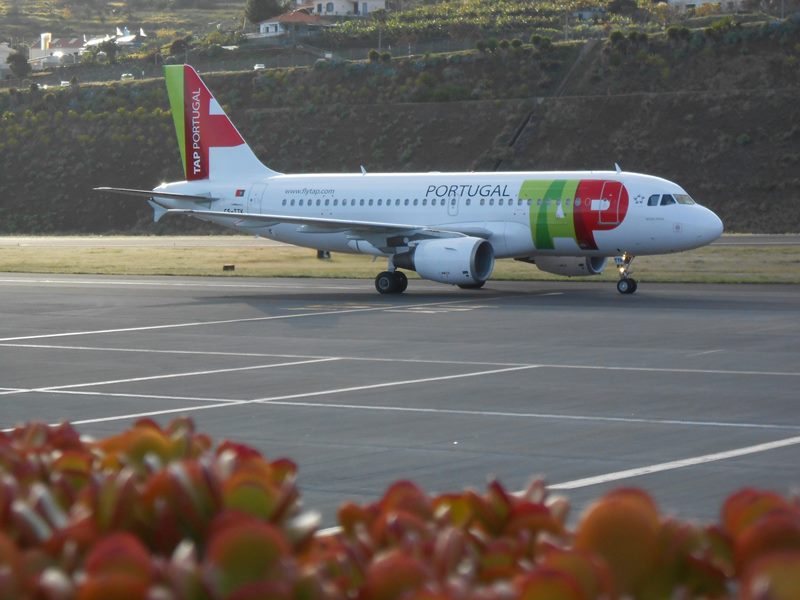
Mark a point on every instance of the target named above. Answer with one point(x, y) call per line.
point(452, 206)
point(254, 198)
point(609, 203)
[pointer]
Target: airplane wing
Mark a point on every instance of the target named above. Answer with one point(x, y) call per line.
point(380, 234)
point(360, 229)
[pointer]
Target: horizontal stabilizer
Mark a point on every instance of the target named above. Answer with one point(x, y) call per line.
point(154, 194)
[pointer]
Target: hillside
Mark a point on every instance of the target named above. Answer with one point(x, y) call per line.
point(721, 118)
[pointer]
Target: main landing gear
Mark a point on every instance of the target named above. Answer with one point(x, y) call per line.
point(626, 284)
point(391, 282)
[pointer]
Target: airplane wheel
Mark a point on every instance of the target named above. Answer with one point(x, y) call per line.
point(472, 286)
point(627, 285)
point(402, 281)
point(387, 283)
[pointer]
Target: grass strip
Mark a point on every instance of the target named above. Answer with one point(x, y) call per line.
point(712, 264)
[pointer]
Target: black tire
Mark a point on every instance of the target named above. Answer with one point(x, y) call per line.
point(386, 283)
point(626, 285)
point(635, 286)
point(402, 281)
point(472, 286)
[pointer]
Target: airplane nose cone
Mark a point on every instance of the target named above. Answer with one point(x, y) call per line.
point(712, 226)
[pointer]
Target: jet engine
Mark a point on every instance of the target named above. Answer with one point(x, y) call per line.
point(571, 266)
point(460, 261)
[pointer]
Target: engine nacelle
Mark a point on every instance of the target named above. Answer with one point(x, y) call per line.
point(572, 266)
point(460, 261)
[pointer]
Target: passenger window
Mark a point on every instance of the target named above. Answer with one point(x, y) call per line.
point(424, 202)
point(529, 201)
point(491, 201)
point(336, 202)
point(380, 201)
point(361, 202)
point(416, 201)
point(300, 203)
point(443, 202)
point(483, 200)
point(406, 202)
point(653, 200)
point(539, 202)
point(667, 199)
point(370, 201)
point(567, 202)
point(318, 201)
point(468, 201)
point(500, 202)
point(284, 202)
point(577, 201)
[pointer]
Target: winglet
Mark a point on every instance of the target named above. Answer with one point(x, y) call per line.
point(617, 169)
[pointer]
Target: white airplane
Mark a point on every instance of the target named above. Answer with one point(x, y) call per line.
point(448, 227)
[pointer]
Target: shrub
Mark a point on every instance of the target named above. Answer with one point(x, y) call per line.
point(617, 38)
point(373, 55)
point(164, 513)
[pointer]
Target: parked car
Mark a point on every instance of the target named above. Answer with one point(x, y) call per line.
point(258, 66)
point(126, 76)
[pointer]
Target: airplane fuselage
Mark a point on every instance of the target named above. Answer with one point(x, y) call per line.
point(571, 213)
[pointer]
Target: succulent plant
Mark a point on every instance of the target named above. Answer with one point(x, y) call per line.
point(162, 514)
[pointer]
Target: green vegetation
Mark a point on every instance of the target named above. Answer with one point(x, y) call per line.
point(164, 512)
point(459, 19)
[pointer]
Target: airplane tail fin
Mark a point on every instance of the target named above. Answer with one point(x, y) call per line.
point(210, 145)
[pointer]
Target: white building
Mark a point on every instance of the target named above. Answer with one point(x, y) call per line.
point(725, 5)
point(342, 8)
point(5, 52)
point(53, 52)
point(297, 23)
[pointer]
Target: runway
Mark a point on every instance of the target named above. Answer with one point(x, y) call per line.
point(688, 391)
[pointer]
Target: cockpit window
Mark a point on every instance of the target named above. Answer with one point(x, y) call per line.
point(667, 199)
point(653, 200)
point(684, 199)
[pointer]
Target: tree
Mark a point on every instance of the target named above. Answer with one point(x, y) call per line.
point(18, 64)
point(261, 10)
point(110, 48)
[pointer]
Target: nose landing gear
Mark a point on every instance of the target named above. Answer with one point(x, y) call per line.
point(626, 284)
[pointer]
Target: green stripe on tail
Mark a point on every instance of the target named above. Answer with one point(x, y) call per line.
point(174, 77)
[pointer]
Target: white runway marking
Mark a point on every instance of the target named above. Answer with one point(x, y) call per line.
point(374, 386)
point(704, 353)
point(413, 360)
point(676, 464)
point(292, 400)
point(222, 322)
point(276, 399)
point(174, 375)
point(262, 355)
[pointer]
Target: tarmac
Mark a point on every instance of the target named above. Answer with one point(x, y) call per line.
point(687, 391)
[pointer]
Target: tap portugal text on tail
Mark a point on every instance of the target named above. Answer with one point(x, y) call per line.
point(448, 227)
